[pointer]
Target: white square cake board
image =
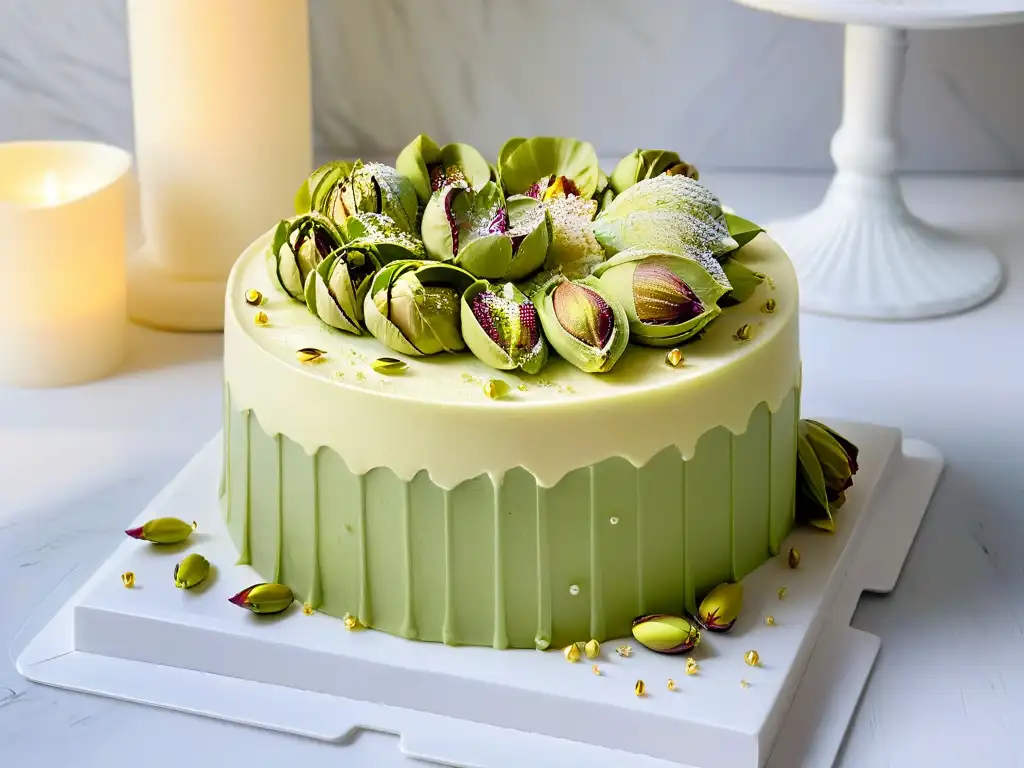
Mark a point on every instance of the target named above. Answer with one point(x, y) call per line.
point(460, 706)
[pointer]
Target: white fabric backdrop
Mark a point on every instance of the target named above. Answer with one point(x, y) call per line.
point(726, 86)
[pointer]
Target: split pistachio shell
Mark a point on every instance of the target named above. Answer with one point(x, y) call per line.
point(826, 464)
point(524, 163)
point(718, 611)
point(501, 327)
point(743, 279)
point(592, 649)
point(304, 196)
point(643, 164)
point(336, 290)
point(495, 389)
point(484, 233)
point(741, 230)
point(430, 167)
point(297, 248)
point(572, 653)
point(264, 598)
point(666, 634)
point(668, 298)
point(163, 530)
point(585, 324)
point(794, 558)
point(668, 213)
point(309, 355)
point(372, 188)
point(413, 307)
point(191, 571)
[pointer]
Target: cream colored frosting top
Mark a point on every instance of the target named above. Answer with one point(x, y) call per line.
point(435, 416)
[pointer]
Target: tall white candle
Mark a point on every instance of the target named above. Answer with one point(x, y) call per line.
point(223, 139)
point(62, 262)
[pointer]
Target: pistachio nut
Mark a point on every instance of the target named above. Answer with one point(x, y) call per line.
point(530, 166)
point(643, 164)
point(430, 167)
point(336, 289)
point(191, 571)
point(163, 530)
point(592, 649)
point(664, 633)
point(366, 188)
point(414, 307)
point(668, 213)
point(826, 464)
point(718, 611)
point(264, 598)
point(484, 233)
point(501, 327)
point(668, 299)
point(298, 246)
point(585, 324)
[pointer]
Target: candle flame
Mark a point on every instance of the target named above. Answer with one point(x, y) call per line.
point(51, 190)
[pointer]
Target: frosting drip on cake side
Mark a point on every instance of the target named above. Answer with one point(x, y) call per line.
point(435, 417)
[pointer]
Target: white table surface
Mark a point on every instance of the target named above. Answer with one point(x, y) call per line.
point(948, 689)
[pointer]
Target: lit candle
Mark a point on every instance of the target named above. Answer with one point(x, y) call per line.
point(223, 139)
point(62, 262)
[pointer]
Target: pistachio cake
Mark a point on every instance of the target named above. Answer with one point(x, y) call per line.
point(513, 404)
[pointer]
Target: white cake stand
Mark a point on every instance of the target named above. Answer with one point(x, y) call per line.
point(862, 253)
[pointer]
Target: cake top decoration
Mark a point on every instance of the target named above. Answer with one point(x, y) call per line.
point(540, 253)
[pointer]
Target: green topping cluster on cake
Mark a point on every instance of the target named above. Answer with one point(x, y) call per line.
point(541, 251)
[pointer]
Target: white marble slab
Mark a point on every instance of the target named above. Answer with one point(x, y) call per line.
point(727, 86)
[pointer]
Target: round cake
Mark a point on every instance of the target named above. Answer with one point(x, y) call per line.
point(456, 497)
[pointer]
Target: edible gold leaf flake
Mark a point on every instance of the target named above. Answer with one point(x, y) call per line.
point(388, 365)
point(253, 297)
point(692, 667)
point(595, 669)
point(307, 608)
point(744, 683)
point(674, 358)
point(128, 579)
point(351, 622)
point(640, 689)
point(671, 684)
point(743, 333)
point(310, 355)
point(495, 388)
point(624, 650)
point(752, 658)
point(794, 558)
point(261, 319)
point(769, 620)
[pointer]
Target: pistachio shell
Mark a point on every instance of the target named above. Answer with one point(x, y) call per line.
point(191, 571)
point(264, 598)
point(643, 164)
point(389, 365)
point(668, 213)
point(664, 633)
point(585, 324)
point(163, 530)
point(501, 327)
point(298, 246)
point(592, 649)
point(429, 167)
point(718, 611)
point(522, 162)
point(367, 188)
point(336, 290)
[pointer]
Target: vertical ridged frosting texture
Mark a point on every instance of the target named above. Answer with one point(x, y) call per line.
point(512, 563)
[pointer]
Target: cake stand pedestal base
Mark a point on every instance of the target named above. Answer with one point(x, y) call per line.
point(307, 675)
point(166, 301)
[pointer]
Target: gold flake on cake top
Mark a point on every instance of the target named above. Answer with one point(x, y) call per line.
point(675, 357)
point(261, 319)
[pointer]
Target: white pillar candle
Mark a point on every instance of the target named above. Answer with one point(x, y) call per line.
point(223, 139)
point(62, 262)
